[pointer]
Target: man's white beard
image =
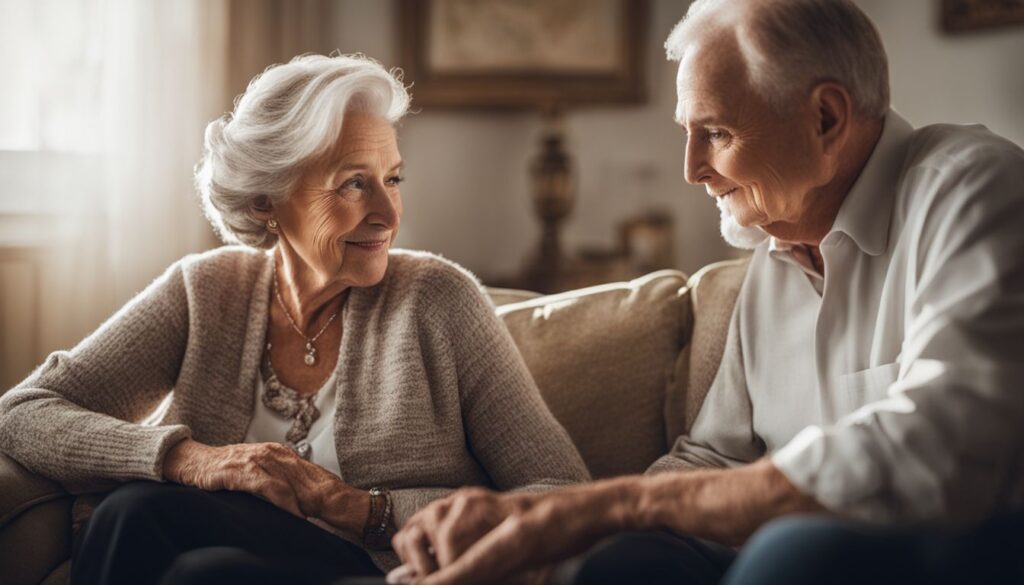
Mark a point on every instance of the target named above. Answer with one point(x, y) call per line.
point(736, 235)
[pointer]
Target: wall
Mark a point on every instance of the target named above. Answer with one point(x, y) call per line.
point(467, 195)
point(966, 78)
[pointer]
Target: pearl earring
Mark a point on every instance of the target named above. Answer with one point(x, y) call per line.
point(272, 225)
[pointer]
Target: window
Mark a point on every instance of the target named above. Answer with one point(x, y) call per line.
point(50, 64)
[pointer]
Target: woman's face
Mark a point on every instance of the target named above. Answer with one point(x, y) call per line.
point(344, 216)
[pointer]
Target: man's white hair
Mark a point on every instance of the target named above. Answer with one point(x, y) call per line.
point(791, 45)
point(289, 117)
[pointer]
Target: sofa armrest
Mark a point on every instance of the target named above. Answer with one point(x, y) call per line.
point(35, 524)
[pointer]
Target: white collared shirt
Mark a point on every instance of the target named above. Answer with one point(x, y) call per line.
point(892, 388)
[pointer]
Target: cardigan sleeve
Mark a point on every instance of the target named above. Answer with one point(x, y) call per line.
point(76, 418)
point(508, 427)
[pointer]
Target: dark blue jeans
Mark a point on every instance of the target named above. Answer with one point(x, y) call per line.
point(812, 550)
point(148, 532)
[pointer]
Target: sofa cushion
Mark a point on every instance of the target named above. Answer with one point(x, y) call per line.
point(507, 296)
point(604, 360)
point(713, 293)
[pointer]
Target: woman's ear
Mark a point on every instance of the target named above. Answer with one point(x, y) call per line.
point(262, 209)
point(834, 109)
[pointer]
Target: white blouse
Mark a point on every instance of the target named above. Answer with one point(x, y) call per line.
point(268, 426)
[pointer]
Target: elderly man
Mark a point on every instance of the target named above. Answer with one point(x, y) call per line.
point(867, 421)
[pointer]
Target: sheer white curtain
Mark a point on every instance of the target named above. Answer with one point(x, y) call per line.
point(101, 121)
point(102, 114)
point(170, 68)
point(164, 78)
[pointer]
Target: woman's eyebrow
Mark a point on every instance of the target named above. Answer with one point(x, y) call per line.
point(363, 167)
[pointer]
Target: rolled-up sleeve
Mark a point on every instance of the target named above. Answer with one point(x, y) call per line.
point(947, 441)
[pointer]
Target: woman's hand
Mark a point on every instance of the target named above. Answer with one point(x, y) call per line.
point(273, 472)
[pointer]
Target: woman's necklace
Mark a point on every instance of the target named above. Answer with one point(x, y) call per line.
point(310, 358)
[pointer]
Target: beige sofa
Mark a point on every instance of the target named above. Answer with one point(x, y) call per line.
point(623, 366)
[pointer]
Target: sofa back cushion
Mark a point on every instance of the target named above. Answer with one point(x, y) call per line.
point(712, 297)
point(605, 359)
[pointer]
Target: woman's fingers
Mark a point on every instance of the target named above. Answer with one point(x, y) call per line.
point(261, 469)
point(310, 482)
point(279, 493)
point(254, 469)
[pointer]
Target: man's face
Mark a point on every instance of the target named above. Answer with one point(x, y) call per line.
point(759, 166)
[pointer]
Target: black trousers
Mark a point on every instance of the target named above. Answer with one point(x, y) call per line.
point(148, 532)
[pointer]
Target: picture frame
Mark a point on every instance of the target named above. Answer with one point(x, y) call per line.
point(966, 15)
point(540, 54)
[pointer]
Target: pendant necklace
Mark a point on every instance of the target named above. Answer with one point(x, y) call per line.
point(310, 358)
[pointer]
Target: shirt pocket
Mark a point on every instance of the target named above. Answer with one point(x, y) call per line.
point(868, 385)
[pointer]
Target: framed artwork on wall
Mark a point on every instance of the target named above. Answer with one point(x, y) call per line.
point(545, 54)
point(962, 15)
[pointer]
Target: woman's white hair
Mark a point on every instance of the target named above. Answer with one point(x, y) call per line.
point(289, 117)
point(791, 45)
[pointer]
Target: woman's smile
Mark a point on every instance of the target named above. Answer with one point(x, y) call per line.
point(369, 245)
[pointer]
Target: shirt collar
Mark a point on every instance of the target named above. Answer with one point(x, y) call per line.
point(865, 213)
point(867, 209)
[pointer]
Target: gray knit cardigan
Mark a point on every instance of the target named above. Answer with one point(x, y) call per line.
point(432, 393)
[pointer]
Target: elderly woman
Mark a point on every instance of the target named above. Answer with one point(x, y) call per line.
point(288, 402)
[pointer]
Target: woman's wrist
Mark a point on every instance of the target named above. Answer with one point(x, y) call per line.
point(379, 526)
point(348, 510)
point(181, 460)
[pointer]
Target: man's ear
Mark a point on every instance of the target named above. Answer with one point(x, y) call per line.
point(262, 209)
point(834, 109)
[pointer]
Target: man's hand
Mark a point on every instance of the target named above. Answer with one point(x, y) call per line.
point(273, 472)
point(478, 535)
point(518, 532)
point(439, 533)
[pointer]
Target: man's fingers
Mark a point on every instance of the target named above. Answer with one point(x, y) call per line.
point(497, 555)
point(417, 551)
point(423, 525)
point(401, 575)
point(401, 541)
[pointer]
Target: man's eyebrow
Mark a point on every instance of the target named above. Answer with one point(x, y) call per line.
point(702, 121)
